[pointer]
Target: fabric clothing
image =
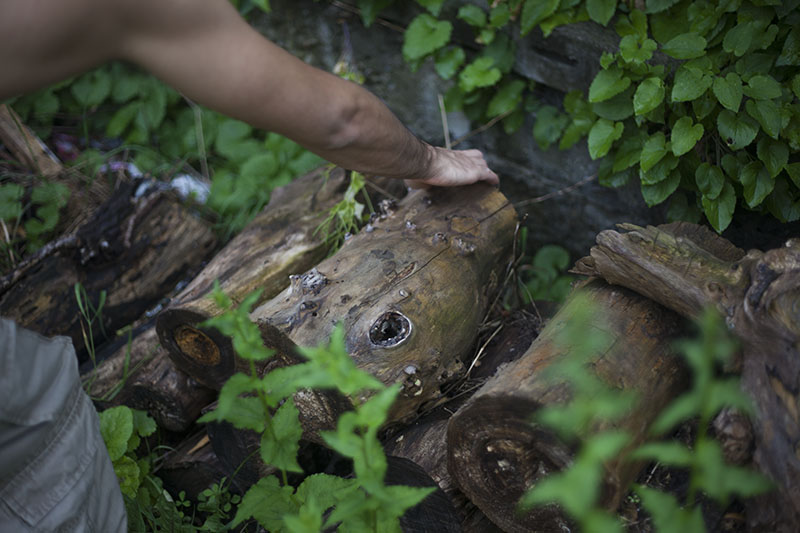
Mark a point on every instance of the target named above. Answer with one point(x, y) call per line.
point(55, 472)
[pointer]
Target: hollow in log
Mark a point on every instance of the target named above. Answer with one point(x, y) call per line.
point(496, 452)
point(687, 267)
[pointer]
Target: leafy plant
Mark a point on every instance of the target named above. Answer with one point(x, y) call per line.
point(265, 405)
point(346, 217)
point(700, 102)
point(544, 278)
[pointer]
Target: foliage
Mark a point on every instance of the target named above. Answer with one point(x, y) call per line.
point(543, 277)
point(700, 102)
point(265, 405)
point(346, 217)
point(90, 315)
point(595, 404)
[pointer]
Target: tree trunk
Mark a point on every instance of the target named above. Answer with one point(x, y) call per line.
point(410, 292)
point(687, 267)
point(134, 249)
point(282, 240)
point(496, 452)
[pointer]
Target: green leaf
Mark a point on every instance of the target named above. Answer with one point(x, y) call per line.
point(120, 121)
point(501, 50)
point(793, 169)
point(499, 15)
point(92, 88)
point(681, 210)
point(601, 11)
point(633, 52)
point(618, 107)
point(728, 91)
point(739, 38)
point(768, 115)
point(649, 94)
point(506, 98)
point(658, 192)
point(479, 73)
point(128, 474)
point(370, 9)
point(780, 202)
point(796, 85)
point(448, 60)
point(602, 136)
point(606, 84)
point(685, 135)
point(653, 150)
point(550, 123)
point(719, 211)
point(279, 447)
point(762, 87)
point(774, 155)
point(472, 15)
point(434, 6)
point(757, 183)
point(709, 179)
point(324, 489)
point(534, 11)
point(656, 6)
point(270, 516)
point(689, 84)
point(126, 86)
point(263, 166)
point(628, 153)
point(116, 427)
point(10, 205)
point(790, 54)
point(667, 514)
point(737, 131)
point(685, 46)
point(424, 36)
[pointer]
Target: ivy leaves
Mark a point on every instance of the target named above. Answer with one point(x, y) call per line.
point(424, 36)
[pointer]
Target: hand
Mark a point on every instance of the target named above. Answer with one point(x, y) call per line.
point(451, 168)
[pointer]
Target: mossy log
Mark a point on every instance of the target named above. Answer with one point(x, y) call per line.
point(281, 241)
point(496, 452)
point(140, 375)
point(686, 268)
point(135, 248)
point(410, 291)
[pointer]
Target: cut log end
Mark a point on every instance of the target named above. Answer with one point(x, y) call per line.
point(496, 442)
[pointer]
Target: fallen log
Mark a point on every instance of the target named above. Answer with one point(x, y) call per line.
point(134, 248)
point(141, 375)
point(686, 268)
point(496, 452)
point(410, 291)
point(281, 241)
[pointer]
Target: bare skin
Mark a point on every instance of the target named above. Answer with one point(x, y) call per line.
point(204, 49)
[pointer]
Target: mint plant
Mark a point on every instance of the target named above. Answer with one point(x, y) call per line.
point(265, 405)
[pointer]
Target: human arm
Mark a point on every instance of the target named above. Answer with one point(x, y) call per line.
point(207, 51)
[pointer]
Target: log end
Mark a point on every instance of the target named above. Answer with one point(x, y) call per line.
point(495, 454)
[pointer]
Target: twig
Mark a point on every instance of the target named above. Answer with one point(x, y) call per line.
point(559, 192)
point(482, 128)
point(381, 190)
point(482, 348)
point(200, 139)
point(443, 113)
point(8, 241)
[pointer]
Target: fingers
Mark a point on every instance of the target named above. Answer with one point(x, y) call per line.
point(451, 168)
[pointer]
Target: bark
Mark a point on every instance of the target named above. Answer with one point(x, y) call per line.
point(496, 452)
point(141, 375)
point(410, 292)
point(135, 249)
point(686, 267)
point(281, 241)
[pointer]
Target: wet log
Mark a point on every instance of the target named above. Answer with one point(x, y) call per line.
point(686, 268)
point(134, 248)
point(140, 375)
point(410, 291)
point(281, 241)
point(495, 451)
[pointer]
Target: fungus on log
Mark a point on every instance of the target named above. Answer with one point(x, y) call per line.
point(410, 291)
point(686, 268)
point(135, 248)
point(496, 452)
point(282, 240)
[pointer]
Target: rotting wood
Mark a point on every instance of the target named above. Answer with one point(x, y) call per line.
point(687, 267)
point(165, 242)
point(410, 290)
point(281, 241)
point(496, 452)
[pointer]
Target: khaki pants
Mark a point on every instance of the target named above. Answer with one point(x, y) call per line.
point(55, 473)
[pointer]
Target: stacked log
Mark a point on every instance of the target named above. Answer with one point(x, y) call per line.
point(496, 452)
point(686, 267)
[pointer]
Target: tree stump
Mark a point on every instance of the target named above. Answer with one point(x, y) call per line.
point(496, 452)
point(687, 267)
